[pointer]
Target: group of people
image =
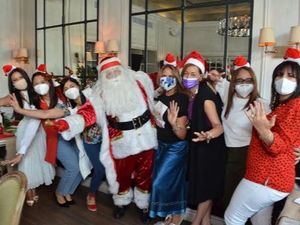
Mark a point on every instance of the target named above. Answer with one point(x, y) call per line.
point(198, 138)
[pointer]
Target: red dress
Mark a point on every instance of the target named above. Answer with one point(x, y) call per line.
point(274, 166)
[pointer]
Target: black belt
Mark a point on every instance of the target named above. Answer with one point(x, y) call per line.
point(135, 123)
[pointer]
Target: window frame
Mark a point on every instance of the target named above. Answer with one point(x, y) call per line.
point(184, 6)
point(63, 25)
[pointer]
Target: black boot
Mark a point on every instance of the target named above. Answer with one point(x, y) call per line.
point(144, 215)
point(119, 211)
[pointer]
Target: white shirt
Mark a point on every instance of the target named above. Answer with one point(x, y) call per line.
point(237, 126)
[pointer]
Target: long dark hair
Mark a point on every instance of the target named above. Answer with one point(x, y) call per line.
point(295, 67)
point(253, 96)
point(82, 97)
point(52, 93)
point(175, 72)
point(13, 90)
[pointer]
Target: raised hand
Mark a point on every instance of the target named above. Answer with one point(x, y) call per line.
point(14, 102)
point(258, 118)
point(173, 113)
point(297, 154)
point(13, 161)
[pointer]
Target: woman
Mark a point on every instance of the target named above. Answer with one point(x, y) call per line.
point(168, 196)
point(241, 93)
point(91, 139)
point(31, 146)
point(207, 148)
point(270, 170)
point(192, 74)
point(65, 151)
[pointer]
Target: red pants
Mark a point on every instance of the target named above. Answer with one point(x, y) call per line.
point(135, 170)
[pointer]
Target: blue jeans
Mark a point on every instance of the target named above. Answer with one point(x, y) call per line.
point(67, 154)
point(93, 152)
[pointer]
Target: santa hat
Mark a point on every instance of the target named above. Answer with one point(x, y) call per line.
point(195, 59)
point(7, 69)
point(108, 63)
point(41, 68)
point(292, 54)
point(240, 61)
point(170, 60)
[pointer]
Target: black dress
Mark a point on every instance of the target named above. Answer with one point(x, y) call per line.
point(206, 167)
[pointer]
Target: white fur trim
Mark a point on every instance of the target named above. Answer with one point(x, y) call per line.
point(143, 138)
point(105, 154)
point(113, 59)
point(85, 165)
point(87, 92)
point(170, 63)
point(237, 67)
point(124, 199)
point(147, 83)
point(293, 60)
point(141, 199)
point(76, 126)
point(197, 63)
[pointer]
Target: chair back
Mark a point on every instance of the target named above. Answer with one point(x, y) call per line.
point(13, 187)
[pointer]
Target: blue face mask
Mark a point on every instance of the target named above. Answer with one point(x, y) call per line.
point(167, 83)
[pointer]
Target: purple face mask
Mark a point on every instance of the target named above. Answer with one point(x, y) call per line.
point(190, 82)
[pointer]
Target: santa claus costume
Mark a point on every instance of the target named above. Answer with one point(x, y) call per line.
point(122, 102)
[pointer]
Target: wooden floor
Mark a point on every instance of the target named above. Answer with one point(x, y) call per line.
point(46, 212)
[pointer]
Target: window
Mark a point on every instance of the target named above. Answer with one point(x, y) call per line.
point(218, 29)
point(66, 31)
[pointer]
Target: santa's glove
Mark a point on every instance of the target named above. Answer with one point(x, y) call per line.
point(88, 113)
point(61, 125)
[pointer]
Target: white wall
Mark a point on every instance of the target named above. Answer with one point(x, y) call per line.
point(10, 36)
point(280, 15)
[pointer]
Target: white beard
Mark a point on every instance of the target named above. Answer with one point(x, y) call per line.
point(120, 96)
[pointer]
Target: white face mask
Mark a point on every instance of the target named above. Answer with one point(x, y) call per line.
point(244, 90)
point(285, 86)
point(41, 89)
point(21, 84)
point(72, 93)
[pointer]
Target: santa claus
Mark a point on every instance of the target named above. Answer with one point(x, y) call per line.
point(122, 104)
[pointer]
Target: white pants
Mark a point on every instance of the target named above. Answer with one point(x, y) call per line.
point(248, 199)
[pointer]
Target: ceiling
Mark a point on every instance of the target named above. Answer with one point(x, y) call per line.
point(211, 13)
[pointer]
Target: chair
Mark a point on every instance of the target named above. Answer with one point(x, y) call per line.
point(13, 188)
point(290, 214)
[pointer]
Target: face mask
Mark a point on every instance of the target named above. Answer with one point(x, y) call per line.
point(167, 83)
point(41, 89)
point(21, 85)
point(190, 82)
point(244, 90)
point(285, 86)
point(72, 93)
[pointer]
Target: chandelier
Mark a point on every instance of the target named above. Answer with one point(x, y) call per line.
point(238, 26)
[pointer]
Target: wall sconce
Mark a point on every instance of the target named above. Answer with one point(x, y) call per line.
point(100, 47)
point(109, 50)
point(295, 36)
point(112, 46)
point(21, 55)
point(267, 39)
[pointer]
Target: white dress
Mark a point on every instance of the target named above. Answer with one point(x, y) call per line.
point(31, 141)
